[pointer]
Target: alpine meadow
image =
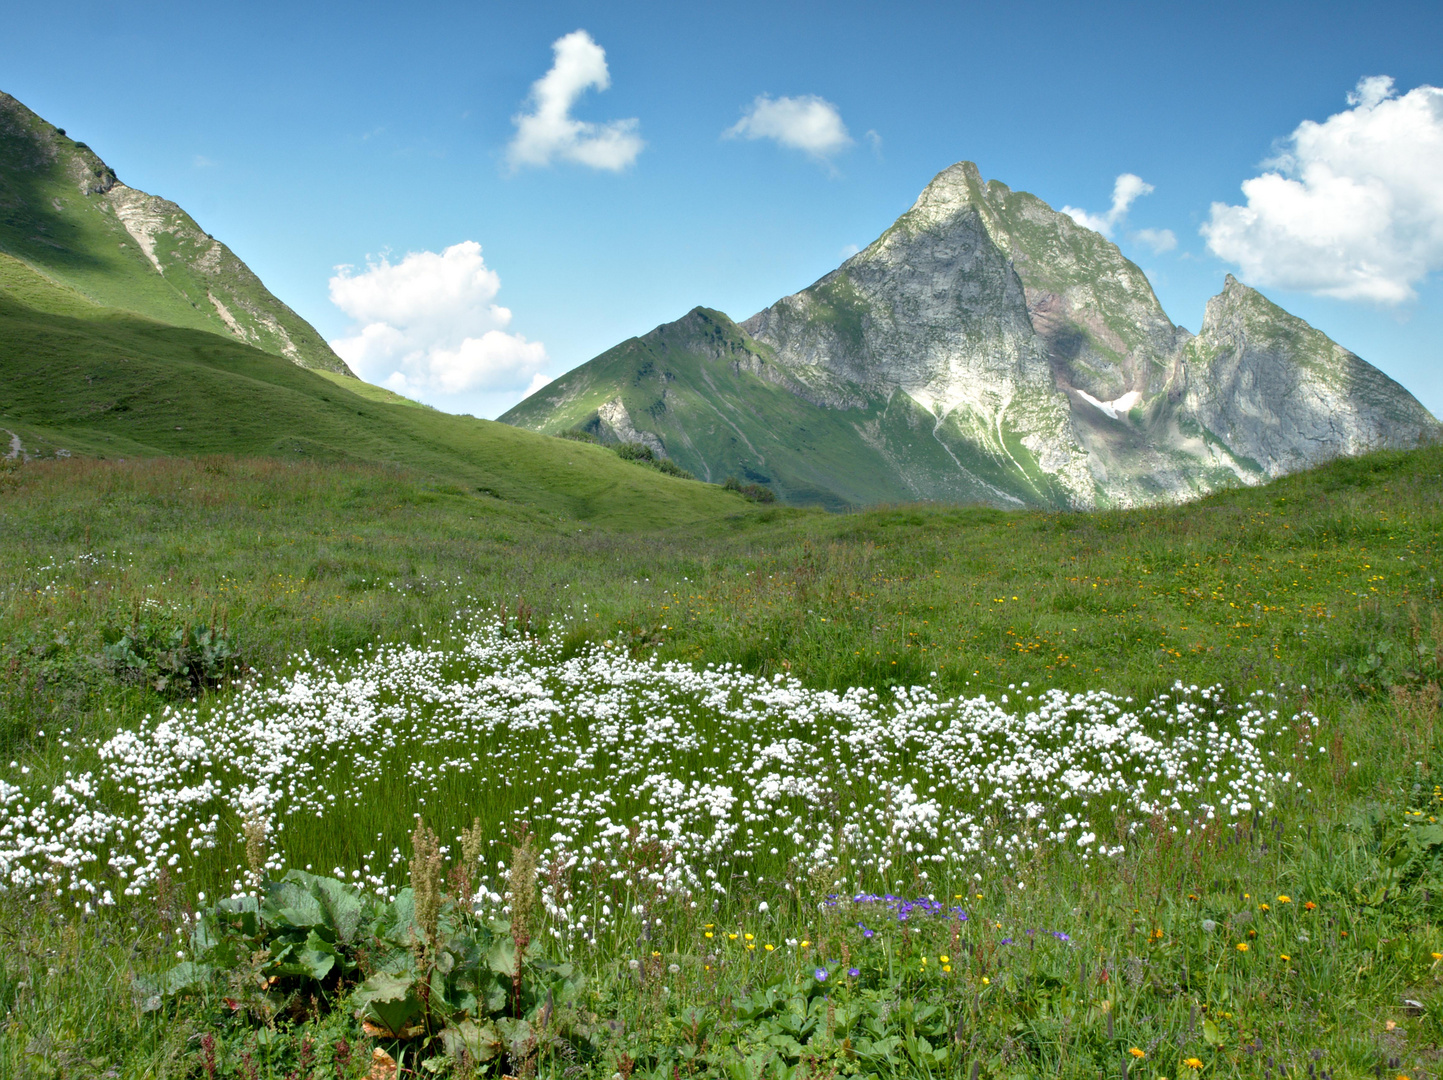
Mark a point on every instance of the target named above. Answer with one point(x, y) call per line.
point(957, 669)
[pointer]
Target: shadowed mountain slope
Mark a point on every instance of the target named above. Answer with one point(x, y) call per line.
point(66, 214)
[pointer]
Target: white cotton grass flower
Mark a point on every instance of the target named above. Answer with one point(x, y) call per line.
point(640, 777)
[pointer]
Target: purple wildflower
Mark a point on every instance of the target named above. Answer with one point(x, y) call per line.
point(854, 972)
point(821, 974)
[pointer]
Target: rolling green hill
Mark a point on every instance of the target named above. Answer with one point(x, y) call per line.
point(86, 379)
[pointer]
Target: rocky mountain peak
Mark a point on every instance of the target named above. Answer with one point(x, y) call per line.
point(988, 347)
point(956, 188)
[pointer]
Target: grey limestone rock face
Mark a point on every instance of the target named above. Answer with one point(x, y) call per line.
point(616, 426)
point(935, 310)
point(988, 348)
point(1284, 395)
point(1001, 316)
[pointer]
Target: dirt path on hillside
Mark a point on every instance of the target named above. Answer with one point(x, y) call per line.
point(16, 446)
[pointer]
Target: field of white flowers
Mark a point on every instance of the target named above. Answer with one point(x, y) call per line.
point(643, 781)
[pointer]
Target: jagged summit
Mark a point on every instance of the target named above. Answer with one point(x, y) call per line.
point(65, 214)
point(987, 347)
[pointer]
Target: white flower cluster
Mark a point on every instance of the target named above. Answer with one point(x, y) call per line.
point(645, 780)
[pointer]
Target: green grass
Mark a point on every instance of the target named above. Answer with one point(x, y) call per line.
point(106, 383)
point(1327, 579)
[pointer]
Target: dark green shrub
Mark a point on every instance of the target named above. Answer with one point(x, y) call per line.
point(671, 468)
point(642, 454)
point(634, 451)
point(578, 435)
point(757, 493)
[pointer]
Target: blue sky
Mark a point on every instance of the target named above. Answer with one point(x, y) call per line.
point(318, 135)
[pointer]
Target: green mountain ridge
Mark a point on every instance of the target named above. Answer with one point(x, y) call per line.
point(66, 215)
point(986, 348)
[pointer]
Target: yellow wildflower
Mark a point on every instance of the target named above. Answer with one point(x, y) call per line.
point(1242, 946)
point(708, 933)
point(947, 968)
point(1135, 1052)
point(1285, 899)
point(733, 937)
point(1284, 956)
point(1192, 1063)
point(748, 937)
point(944, 959)
point(770, 948)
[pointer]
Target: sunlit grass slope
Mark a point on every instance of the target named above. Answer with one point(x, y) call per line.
point(1327, 578)
point(100, 382)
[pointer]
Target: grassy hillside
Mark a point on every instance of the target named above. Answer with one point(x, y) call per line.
point(95, 381)
point(722, 407)
point(65, 214)
point(1327, 579)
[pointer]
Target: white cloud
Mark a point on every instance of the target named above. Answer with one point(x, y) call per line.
point(1159, 240)
point(548, 132)
point(427, 326)
point(1353, 208)
point(1126, 190)
point(806, 123)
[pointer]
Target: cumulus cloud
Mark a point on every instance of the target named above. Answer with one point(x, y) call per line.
point(1353, 206)
point(1126, 190)
point(807, 123)
point(548, 132)
point(427, 326)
